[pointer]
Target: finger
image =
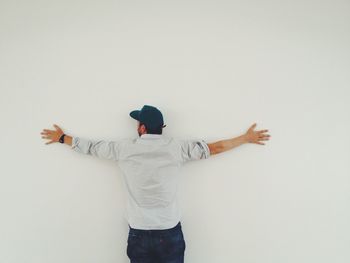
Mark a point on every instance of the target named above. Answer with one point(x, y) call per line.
point(252, 127)
point(56, 126)
point(48, 130)
point(264, 137)
point(49, 142)
point(263, 131)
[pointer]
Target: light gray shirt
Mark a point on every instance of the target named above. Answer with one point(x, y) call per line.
point(150, 167)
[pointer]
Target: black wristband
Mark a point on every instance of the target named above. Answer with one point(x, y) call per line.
point(61, 140)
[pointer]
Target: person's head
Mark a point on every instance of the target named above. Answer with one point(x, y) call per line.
point(142, 129)
point(149, 120)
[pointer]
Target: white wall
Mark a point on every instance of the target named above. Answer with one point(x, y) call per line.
point(213, 68)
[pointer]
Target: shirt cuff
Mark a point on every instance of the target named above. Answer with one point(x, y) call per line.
point(206, 149)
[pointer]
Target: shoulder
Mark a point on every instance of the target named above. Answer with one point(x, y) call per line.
point(129, 140)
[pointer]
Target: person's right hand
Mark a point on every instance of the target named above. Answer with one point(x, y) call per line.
point(256, 136)
point(53, 135)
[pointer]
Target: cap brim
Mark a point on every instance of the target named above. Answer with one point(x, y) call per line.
point(135, 114)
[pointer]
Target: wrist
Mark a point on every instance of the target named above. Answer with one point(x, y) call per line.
point(245, 138)
point(61, 139)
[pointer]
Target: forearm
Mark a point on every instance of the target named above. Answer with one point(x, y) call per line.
point(225, 145)
point(68, 140)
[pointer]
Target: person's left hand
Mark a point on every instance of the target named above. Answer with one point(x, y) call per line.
point(53, 135)
point(256, 136)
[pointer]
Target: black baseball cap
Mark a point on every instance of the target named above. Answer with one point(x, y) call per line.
point(149, 115)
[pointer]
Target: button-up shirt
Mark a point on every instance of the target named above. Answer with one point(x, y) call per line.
point(150, 167)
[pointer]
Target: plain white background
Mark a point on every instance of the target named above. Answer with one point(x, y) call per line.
point(213, 68)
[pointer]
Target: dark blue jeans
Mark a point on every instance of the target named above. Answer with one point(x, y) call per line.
point(156, 246)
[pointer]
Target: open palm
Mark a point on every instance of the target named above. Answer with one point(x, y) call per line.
point(256, 136)
point(53, 135)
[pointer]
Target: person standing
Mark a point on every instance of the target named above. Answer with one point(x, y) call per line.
point(150, 166)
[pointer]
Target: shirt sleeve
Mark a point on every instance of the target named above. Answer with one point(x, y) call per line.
point(194, 150)
point(100, 148)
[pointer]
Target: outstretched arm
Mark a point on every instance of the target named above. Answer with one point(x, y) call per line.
point(104, 149)
point(250, 136)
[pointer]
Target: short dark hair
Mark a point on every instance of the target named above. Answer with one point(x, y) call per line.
point(158, 130)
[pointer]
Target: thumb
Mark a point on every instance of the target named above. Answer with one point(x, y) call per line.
point(253, 126)
point(57, 128)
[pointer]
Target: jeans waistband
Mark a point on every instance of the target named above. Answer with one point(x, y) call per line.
point(158, 231)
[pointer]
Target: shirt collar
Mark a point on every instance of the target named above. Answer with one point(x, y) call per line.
point(151, 136)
